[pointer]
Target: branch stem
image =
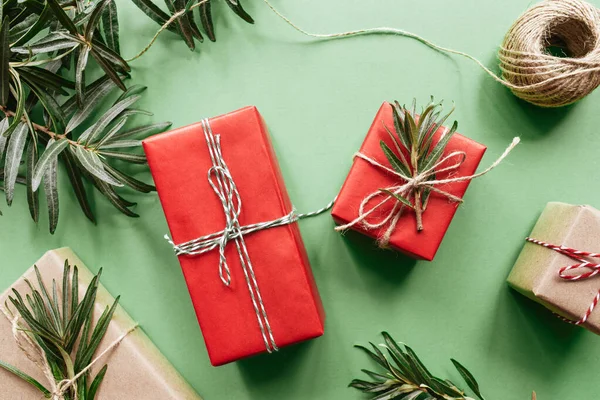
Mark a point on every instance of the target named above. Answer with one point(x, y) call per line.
point(38, 127)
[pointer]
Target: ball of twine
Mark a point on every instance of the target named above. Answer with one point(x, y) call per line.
point(533, 73)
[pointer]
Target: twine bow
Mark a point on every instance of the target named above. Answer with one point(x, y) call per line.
point(222, 183)
point(407, 187)
point(593, 269)
point(34, 352)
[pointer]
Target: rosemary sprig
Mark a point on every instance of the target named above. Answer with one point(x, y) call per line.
point(406, 377)
point(63, 328)
point(414, 150)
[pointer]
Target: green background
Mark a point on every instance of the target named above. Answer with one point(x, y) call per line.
point(318, 99)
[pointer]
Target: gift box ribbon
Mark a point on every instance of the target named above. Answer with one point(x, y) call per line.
point(407, 187)
point(223, 184)
point(578, 255)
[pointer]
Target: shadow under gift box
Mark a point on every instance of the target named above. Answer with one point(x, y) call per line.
point(136, 368)
point(536, 271)
point(179, 161)
point(364, 179)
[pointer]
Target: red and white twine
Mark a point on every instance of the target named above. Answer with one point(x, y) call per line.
point(593, 269)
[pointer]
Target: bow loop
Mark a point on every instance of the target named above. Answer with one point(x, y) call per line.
point(411, 187)
point(583, 257)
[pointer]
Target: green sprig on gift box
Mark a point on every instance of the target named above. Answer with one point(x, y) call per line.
point(61, 329)
point(414, 149)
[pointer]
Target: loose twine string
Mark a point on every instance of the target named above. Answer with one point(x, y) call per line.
point(36, 354)
point(527, 69)
point(222, 183)
point(578, 255)
point(408, 186)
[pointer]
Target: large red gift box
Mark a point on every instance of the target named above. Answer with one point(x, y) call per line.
point(179, 161)
point(363, 179)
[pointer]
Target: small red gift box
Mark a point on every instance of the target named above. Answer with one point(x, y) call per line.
point(230, 316)
point(364, 179)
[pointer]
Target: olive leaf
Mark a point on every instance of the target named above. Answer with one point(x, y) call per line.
point(46, 49)
point(185, 25)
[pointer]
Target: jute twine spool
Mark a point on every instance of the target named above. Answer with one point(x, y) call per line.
point(528, 68)
point(543, 79)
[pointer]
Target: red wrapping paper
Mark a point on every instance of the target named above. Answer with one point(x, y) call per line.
point(179, 162)
point(363, 179)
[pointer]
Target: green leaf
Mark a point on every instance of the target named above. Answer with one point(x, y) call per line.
point(4, 62)
point(395, 162)
point(95, 130)
point(41, 24)
point(77, 183)
point(52, 107)
point(143, 130)
point(18, 29)
point(112, 131)
point(184, 25)
point(154, 12)
point(97, 335)
point(128, 180)
point(62, 17)
point(468, 377)
point(17, 118)
point(207, 21)
point(398, 115)
point(32, 195)
point(121, 144)
point(48, 159)
point(128, 157)
point(25, 378)
point(108, 69)
point(14, 154)
point(53, 42)
point(93, 98)
point(432, 158)
point(120, 203)
point(94, 19)
point(401, 199)
point(237, 8)
point(110, 56)
point(131, 91)
point(3, 138)
point(91, 395)
point(47, 79)
point(90, 161)
point(195, 30)
point(110, 26)
point(80, 74)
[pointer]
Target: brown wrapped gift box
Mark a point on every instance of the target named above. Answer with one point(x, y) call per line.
point(136, 368)
point(535, 273)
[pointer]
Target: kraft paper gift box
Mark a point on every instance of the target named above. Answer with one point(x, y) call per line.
point(536, 271)
point(136, 368)
point(229, 314)
point(363, 179)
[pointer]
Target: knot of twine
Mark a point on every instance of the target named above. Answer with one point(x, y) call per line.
point(527, 67)
point(34, 352)
point(407, 187)
point(222, 183)
point(578, 255)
